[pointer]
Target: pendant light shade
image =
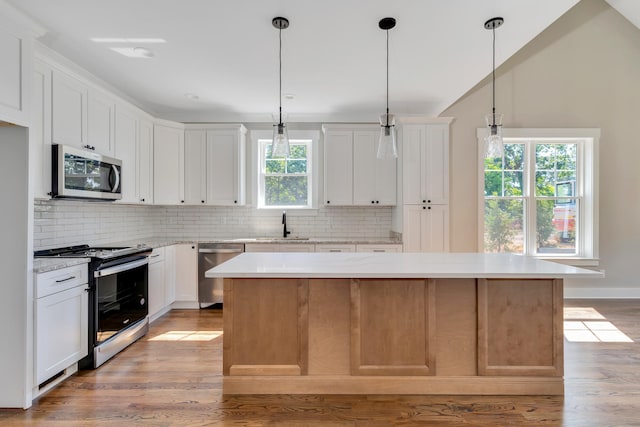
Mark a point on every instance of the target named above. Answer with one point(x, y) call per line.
point(387, 147)
point(280, 141)
point(494, 146)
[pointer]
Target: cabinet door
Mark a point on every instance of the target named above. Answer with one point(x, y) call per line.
point(412, 233)
point(364, 168)
point(426, 228)
point(156, 287)
point(69, 110)
point(338, 168)
point(126, 136)
point(225, 168)
point(61, 331)
point(169, 274)
point(436, 163)
point(435, 228)
point(168, 165)
point(16, 53)
point(186, 273)
point(297, 247)
point(144, 182)
point(100, 117)
point(195, 167)
point(40, 131)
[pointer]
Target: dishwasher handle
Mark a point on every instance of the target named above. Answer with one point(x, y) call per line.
point(220, 251)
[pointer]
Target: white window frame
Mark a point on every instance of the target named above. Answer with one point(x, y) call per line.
point(259, 138)
point(587, 140)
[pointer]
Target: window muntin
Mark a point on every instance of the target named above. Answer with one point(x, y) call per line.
point(285, 183)
point(532, 198)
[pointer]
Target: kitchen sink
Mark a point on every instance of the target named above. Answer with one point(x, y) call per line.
point(282, 238)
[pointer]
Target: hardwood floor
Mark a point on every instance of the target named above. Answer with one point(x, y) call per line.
point(175, 378)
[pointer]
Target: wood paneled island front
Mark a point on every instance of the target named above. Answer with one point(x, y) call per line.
point(393, 323)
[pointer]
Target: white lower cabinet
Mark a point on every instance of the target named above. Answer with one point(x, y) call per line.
point(370, 247)
point(61, 324)
point(426, 228)
point(186, 275)
point(278, 247)
point(156, 282)
point(327, 247)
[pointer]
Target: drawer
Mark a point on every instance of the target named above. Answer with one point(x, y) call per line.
point(55, 281)
point(157, 255)
point(379, 248)
point(326, 247)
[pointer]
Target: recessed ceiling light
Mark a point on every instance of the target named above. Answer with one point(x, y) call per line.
point(191, 96)
point(137, 40)
point(289, 95)
point(134, 52)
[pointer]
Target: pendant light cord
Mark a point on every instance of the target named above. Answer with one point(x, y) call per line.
point(280, 75)
point(387, 78)
point(494, 75)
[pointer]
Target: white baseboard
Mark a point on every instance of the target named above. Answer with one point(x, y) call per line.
point(601, 293)
point(185, 305)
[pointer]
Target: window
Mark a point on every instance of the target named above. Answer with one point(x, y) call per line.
point(540, 197)
point(285, 183)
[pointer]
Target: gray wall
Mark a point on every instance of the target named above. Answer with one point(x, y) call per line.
point(583, 71)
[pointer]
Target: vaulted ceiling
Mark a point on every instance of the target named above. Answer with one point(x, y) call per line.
point(333, 53)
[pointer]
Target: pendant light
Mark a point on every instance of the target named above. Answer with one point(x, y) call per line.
point(280, 142)
point(387, 147)
point(494, 145)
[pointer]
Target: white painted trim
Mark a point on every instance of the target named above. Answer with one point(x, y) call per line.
point(571, 292)
point(423, 120)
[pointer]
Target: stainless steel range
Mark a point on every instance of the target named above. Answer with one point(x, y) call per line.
point(118, 294)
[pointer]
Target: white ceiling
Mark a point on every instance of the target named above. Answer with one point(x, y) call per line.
point(226, 52)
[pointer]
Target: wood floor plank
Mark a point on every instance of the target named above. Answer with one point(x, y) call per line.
point(179, 383)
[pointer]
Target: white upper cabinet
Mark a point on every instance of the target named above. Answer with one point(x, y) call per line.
point(215, 158)
point(100, 123)
point(15, 68)
point(353, 173)
point(40, 131)
point(168, 165)
point(69, 110)
point(144, 183)
point(226, 158)
point(374, 180)
point(195, 167)
point(126, 128)
point(426, 163)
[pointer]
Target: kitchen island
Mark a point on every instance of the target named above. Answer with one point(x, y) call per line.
point(393, 323)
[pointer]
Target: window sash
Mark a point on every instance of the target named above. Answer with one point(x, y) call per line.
point(263, 174)
point(530, 201)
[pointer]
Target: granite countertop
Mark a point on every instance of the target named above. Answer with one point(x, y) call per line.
point(157, 242)
point(42, 265)
point(394, 265)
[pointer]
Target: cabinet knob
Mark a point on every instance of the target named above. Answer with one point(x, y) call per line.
point(181, 201)
point(424, 207)
point(424, 201)
point(377, 201)
point(372, 202)
point(202, 201)
point(328, 201)
point(428, 201)
point(429, 207)
point(235, 201)
point(193, 247)
point(142, 200)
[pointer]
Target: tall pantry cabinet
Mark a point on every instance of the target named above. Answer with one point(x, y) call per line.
point(425, 210)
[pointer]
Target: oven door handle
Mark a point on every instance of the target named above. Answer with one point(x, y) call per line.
point(120, 268)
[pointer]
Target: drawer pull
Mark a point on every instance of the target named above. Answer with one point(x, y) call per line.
point(378, 250)
point(64, 280)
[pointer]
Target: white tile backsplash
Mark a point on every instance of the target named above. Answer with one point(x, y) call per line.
point(66, 222)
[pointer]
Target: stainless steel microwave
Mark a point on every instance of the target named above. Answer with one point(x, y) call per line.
point(82, 174)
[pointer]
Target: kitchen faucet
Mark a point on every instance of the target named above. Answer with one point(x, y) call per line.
point(285, 233)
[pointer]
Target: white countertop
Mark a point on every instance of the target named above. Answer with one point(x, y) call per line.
point(394, 265)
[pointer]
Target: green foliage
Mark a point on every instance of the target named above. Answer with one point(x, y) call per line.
point(544, 222)
point(286, 183)
point(502, 219)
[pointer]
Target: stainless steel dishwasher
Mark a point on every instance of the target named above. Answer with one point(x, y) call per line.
point(210, 255)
